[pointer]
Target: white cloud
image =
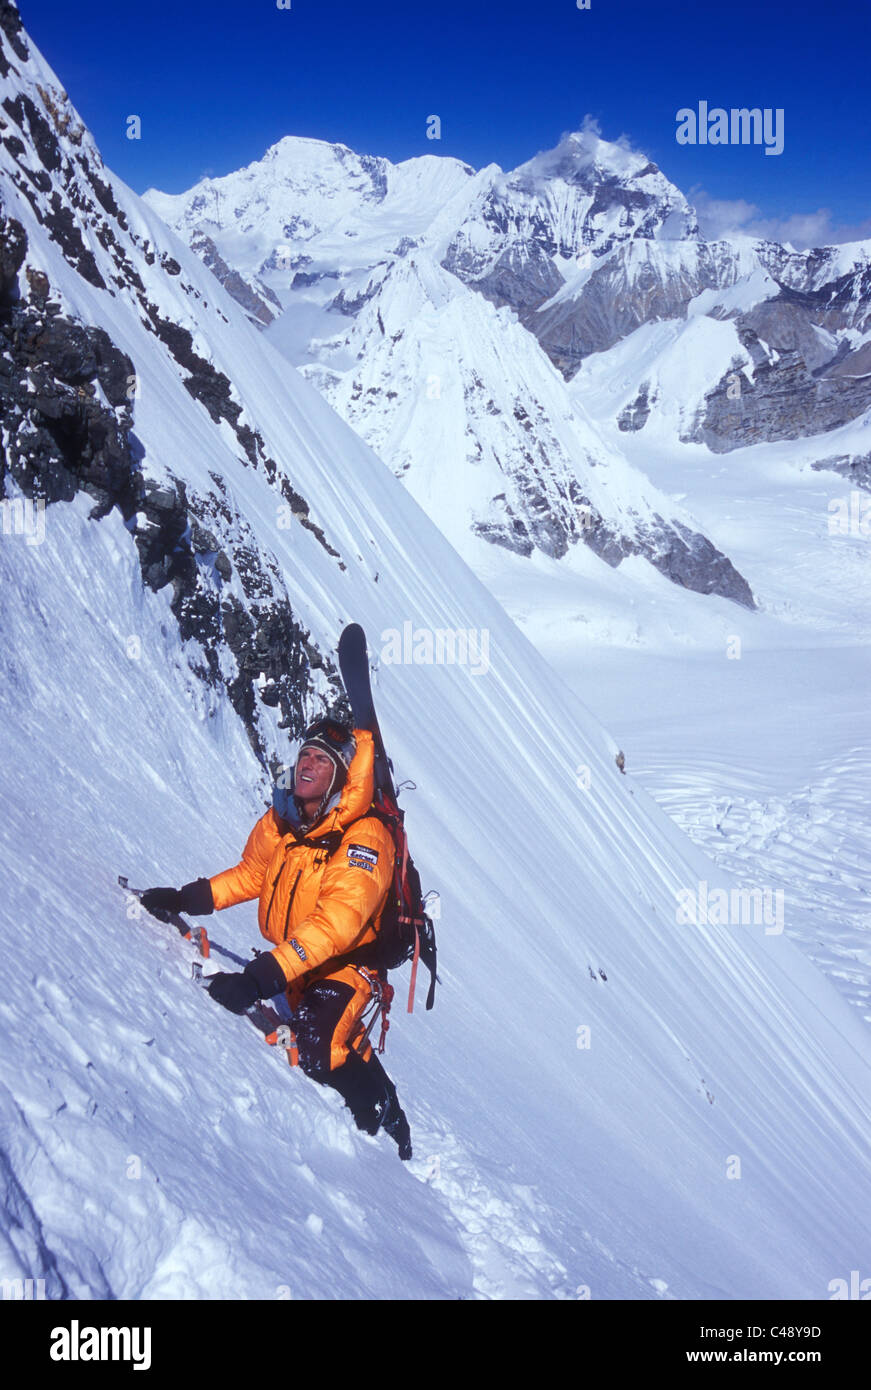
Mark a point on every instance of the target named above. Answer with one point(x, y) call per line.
point(722, 216)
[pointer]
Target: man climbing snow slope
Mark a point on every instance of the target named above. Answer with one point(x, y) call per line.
point(321, 866)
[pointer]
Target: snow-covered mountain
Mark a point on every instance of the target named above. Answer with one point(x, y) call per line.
point(537, 235)
point(308, 202)
point(590, 242)
point(481, 429)
point(607, 1101)
point(586, 252)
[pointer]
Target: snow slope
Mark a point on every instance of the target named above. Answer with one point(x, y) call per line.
point(152, 1147)
point(705, 1043)
point(750, 731)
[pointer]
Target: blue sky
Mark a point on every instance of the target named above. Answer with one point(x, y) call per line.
point(216, 83)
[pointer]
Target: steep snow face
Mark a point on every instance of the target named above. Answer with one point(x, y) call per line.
point(606, 1100)
point(468, 410)
point(155, 1148)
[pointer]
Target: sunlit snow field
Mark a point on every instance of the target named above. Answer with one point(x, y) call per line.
point(751, 729)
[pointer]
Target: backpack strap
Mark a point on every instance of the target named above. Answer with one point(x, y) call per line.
point(368, 955)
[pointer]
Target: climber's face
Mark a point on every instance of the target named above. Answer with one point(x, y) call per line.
point(314, 775)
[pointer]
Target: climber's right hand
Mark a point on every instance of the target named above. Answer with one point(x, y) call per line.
point(195, 898)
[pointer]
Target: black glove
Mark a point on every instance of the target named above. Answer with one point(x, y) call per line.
point(237, 992)
point(195, 898)
point(260, 979)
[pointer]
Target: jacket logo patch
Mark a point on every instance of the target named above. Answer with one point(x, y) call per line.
point(299, 950)
point(363, 857)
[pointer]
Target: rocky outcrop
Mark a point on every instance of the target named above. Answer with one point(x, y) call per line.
point(856, 468)
point(785, 399)
point(635, 415)
point(688, 558)
point(252, 300)
point(685, 557)
point(642, 282)
point(64, 395)
point(807, 375)
point(67, 399)
point(548, 509)
point(200, 546)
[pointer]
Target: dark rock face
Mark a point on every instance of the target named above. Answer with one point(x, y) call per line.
point(376, 171)
point(512, 533)
point(806, 378)
point(351, 304)
point(685, 557)
point(176, 546)
point(252, 302)
point(785, 400)
point(213, 390)
point(856, 468)
point(59, 437)
point(637, 413)
point(620, 296)
point(303, 279)
point(11, 27)
point(689, 559)
point(522, 277)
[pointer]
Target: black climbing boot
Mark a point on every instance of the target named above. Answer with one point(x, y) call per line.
point(371, 1097)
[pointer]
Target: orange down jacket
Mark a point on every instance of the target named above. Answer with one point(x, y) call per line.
point(316, 905)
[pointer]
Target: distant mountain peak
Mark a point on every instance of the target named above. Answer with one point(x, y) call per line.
point(583, 158)
point(293, 144)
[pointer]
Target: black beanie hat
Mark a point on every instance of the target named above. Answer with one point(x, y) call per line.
point(337, 741)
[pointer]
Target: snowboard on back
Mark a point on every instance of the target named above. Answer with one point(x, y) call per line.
point(406, 932)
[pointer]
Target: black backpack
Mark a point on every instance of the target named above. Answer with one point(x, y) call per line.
point(406, 932)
